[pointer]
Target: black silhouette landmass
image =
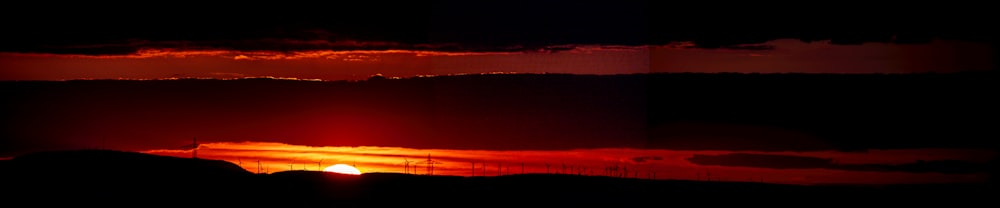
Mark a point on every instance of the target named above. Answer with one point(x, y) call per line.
point(106, 177)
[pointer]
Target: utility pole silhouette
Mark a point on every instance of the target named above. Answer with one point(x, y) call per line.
point(258, 167)
point(193, 147)
point(614, 170)
point(473, 168)
point(651, 174)
point(547, 168)
point(319, 165)
point(624, 171)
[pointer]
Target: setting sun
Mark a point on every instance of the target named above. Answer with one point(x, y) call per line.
point(343, 169)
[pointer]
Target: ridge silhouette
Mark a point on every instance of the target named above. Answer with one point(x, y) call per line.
point(106, 177)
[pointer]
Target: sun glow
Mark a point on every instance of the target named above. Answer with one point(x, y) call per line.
point(343, 169)
point(647, 163)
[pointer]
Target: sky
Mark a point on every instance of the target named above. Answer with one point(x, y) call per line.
point(347, 41)
point(315, 47)
point(824, 167)
point(786, 56)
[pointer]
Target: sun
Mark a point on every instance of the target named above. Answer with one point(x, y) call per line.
point(343, 169)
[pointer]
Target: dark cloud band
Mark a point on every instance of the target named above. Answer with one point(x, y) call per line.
point(802, 162)
point(473, 26)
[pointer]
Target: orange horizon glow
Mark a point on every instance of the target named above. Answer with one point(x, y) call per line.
point(343, 169)
point(669, 164)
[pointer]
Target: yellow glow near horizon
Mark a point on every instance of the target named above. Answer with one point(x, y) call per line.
point(343, 169)
point(264, 157)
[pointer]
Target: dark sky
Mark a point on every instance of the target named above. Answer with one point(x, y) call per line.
point(49, 43)
point(475, 26)
point(765, 112)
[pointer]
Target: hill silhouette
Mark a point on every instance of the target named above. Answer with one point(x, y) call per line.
point(109, 175)
point(98, 177)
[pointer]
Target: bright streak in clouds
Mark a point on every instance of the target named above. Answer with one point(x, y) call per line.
point(260, 55)
point(778, 56)
point(666, 164)
point(151, 64)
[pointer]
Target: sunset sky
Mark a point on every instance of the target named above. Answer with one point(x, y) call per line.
point(354, 40)
point(830, 167)
point(589, 123)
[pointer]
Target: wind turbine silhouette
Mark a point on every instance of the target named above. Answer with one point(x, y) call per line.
point(406, 166)
point(193, 147)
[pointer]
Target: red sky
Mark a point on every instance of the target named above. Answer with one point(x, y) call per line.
point(668, 164)
point(786, 56)
point(460, 37)
point(310, 122)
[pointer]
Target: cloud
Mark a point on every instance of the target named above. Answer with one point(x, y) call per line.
point(663, 164)
point(753, 47)
point(920, 166)
point(391, 159)
point(449, 25)
point(804, 162)
point(642, 159)
point(342, 55)
point(761, 161)
point(545, 111)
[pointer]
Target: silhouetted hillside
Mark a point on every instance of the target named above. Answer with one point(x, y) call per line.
point(126, 163)
point(134, 178)
point(770, 112)
point(115, 175)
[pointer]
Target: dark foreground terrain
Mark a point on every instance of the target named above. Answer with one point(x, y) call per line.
point(100, 177)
